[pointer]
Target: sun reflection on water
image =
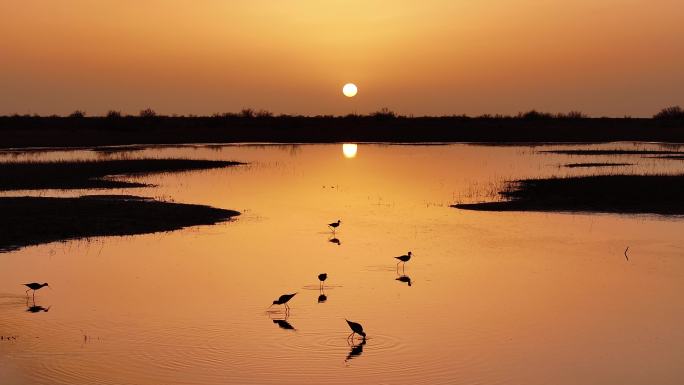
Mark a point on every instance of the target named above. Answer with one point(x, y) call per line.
point(349, 150)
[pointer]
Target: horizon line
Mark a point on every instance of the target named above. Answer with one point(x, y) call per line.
point(672, 112)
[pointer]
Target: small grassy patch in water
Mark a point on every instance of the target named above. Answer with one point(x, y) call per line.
point(628, 194)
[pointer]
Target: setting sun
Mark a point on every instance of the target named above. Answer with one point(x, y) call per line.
point(349, 90)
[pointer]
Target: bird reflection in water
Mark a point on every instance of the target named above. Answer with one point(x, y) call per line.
point(322, 297)
point(404, 278)
point(283, 324)
point(356, 350)
point(33, 308)
point(334, 240)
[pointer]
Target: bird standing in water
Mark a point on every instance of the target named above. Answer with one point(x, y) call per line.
point(334, 225)
point(356, 329)
point(35, 286)
point(283, 299)
point(322, 277)
point(404, 258)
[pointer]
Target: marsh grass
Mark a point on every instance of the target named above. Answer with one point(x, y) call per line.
point(34, 220)
point(592, 165)
point(82, 174)
point(671, 157)
point(614, 152)
point(629, 194)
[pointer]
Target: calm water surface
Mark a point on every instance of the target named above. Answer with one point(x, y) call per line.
point(495, 298)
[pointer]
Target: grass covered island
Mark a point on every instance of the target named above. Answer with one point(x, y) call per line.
point(35, 220)
point(30, 220)
point(625, 194)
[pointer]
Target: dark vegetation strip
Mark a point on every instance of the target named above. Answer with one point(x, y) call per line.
point(633, 194)
point(587, 165)
point(614, 152)
point(90, 174)
point(675, 157)
point(149, 128)
point(34, 220)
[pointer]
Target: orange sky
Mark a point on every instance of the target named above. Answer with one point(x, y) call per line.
point(603, 57)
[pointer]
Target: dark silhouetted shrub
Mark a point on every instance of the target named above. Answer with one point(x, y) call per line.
point(384, 113)
point(147, 113)
point(263, 114)
point(247, 113)
point(535, 115)
point(674, 112)
point(572, 115)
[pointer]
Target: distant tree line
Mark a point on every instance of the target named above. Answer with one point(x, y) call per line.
point(669, 113)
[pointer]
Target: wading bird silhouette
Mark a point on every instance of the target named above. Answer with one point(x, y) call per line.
point(283, 299)
point(34, 286)
point(334, 225)
point(356, 329)
point(322, 277)
point(403, 259)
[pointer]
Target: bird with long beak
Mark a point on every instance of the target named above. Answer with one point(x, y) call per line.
point(35, 286)
point(404, 258)
point(283, 300)
point(333, 226)
point(356, 329)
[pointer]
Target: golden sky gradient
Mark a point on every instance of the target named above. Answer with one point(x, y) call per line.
point(603, 57)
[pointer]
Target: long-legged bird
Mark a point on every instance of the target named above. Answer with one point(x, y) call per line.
point(356, 329)
point(404, 258)
point(283, 299)
point(334, 225)
point(35, 286)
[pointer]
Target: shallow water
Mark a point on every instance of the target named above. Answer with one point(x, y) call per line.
point(495, 298)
